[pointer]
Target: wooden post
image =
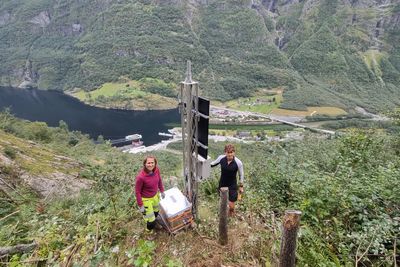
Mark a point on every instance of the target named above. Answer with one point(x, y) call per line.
point(291, 223)
point(223, 216)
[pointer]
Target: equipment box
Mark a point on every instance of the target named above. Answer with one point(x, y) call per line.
point(175, 211)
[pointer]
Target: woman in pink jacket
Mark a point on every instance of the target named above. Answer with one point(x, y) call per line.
point(148, 182)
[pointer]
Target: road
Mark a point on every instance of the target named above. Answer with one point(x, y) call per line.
point(289, 120)
point(231, 112)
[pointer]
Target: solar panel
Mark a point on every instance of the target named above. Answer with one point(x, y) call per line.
point(202, 125)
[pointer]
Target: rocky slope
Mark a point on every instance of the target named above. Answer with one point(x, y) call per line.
point(25, 164)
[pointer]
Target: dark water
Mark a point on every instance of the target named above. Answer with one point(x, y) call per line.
point(53, 106)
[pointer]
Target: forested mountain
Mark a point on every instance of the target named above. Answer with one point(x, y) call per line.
point(321, 52)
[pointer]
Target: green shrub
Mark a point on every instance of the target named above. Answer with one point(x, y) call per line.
point(10, 152)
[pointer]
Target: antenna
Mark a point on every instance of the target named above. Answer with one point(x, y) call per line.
point(188, 72)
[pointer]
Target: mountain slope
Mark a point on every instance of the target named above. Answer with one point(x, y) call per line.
point(346, 189)
point(339, 53)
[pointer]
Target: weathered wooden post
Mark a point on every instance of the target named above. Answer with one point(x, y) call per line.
point(291, 223)
point(223, 216)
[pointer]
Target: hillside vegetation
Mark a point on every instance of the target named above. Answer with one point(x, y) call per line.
point(144, 94)
point(346, 189)
point(322, 53)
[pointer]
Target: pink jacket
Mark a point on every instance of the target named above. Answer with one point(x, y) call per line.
point(147, 185)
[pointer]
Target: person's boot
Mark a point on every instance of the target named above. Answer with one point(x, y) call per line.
point(149, 231)
point(149, 234)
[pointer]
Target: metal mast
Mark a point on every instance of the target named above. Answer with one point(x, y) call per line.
point(189, 91)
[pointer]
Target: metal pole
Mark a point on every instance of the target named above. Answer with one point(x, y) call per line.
point(195, 150)
point(182, 106)
point(189, 94)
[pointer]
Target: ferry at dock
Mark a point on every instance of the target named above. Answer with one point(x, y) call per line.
point(166, 134)
point(133, 140)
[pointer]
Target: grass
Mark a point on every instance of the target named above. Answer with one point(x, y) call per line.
point(232, 130)
point(359, 33)
point(234, 127)
point(259, 104)
point(36, 159)
point(126, 94)
point(153, 101)
point(373, 58)
point(223, 132)
point(262, 101)
point(102, 226)
point(111, 89)
point(331, 111)
point(253, 132)
point(366, 14)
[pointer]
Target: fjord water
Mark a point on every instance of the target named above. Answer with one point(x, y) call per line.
point(53, 106)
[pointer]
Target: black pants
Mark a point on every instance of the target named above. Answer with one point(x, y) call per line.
point(233, 192)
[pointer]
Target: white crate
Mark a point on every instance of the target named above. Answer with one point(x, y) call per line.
point(175, 210)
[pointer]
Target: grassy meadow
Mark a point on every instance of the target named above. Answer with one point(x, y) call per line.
point(131, 94)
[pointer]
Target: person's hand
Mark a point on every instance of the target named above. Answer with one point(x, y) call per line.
point(162, 195)
point(142, 209)
point(241, 189)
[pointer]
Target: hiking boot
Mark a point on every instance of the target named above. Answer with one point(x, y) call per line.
point(149, 234)
point(151, 237)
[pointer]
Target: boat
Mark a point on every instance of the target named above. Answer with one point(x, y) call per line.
point(137, 143)
point(133, 137)
point(166, 134)
point(129, 140)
